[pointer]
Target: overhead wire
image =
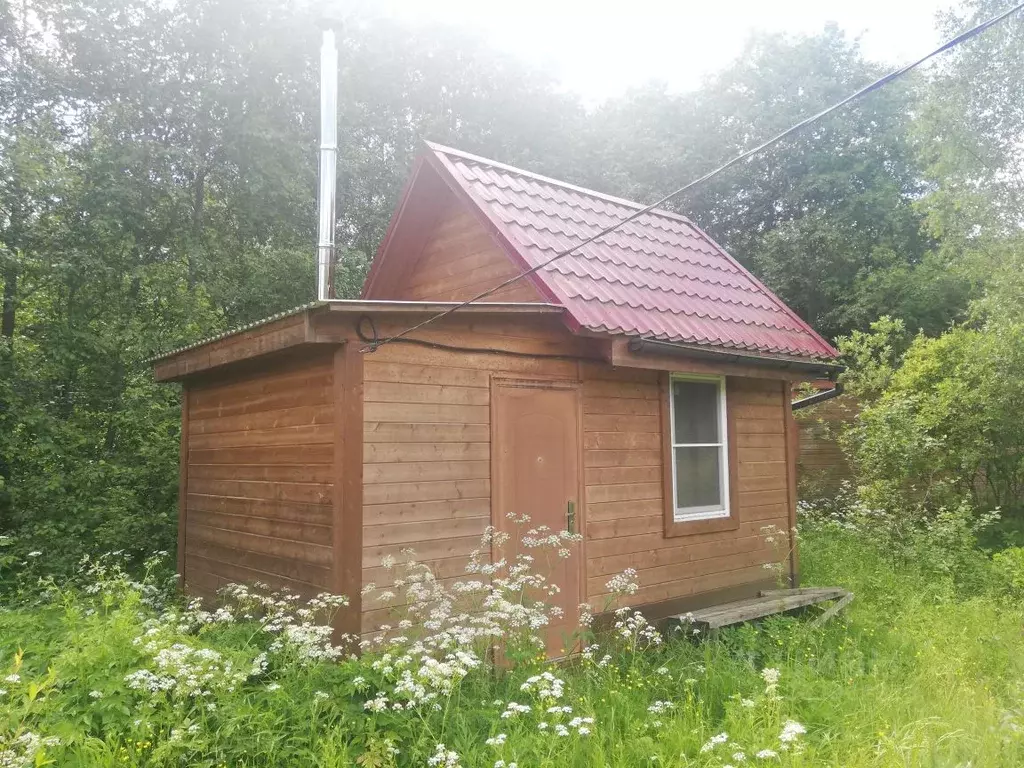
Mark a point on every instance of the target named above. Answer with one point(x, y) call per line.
point(880, 82)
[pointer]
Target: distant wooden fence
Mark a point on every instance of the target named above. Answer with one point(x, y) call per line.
point(821, 464)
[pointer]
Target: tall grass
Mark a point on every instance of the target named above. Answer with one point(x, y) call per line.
point(918, 671)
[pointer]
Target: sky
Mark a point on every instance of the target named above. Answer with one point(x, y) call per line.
point(600, 48)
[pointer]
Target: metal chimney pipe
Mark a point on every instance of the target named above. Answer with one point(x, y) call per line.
point(328, 166)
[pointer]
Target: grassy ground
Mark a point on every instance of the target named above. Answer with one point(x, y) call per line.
point(919, 671)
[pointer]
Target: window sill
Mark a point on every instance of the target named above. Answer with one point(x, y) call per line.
point(705, 523)
point(700, 514)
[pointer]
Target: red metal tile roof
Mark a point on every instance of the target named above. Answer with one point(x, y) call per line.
point(657, 276)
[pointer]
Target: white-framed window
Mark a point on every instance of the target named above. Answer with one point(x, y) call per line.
point(700, 450)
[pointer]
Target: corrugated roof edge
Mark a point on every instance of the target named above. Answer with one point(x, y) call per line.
point(367, 305)
point(233, 331)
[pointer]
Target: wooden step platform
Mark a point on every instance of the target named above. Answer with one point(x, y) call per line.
point(768, 603)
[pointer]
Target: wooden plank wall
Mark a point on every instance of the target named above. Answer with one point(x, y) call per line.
point(821, 462)
point(427, 471)
point(624, 464)
point(427, 446)
point(460, 260)
point(259, 478)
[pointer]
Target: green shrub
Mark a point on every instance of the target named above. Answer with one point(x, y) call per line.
point(1009, 568)
point(940, 424)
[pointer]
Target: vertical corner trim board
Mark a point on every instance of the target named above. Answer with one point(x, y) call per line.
point(183, 486)
point(347, 535)
point(792, 451)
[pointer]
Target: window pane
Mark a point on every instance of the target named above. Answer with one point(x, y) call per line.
point(698, 477)
point(696, 411)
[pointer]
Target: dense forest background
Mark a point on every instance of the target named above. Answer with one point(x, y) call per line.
point(158, 177)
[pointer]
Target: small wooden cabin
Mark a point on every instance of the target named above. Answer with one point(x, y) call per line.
point(638, 390)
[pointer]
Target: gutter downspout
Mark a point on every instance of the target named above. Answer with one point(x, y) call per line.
point(819, 397)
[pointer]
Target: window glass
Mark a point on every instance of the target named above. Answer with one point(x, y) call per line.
point(696, 411)
point(698, 449)
point(698, 477)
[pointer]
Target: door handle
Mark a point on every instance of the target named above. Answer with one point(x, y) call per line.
point(570, 517)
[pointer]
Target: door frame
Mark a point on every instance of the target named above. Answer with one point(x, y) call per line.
point(539, 382)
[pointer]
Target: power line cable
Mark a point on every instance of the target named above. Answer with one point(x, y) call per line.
point(951, 43)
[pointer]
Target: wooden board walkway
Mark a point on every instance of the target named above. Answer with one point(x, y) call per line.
point(767, 603)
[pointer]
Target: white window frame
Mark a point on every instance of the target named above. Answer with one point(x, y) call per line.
point(706, 512)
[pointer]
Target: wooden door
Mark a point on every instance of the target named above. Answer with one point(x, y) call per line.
point(536, 471)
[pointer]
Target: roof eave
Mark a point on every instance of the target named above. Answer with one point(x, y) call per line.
point(372, 306)
point(807, 365)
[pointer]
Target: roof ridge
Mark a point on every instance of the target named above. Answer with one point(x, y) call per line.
point(436, 147)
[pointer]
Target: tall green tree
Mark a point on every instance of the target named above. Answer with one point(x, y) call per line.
point(815, 215)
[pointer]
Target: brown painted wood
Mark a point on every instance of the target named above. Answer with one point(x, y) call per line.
point(271, 509)
point(391, 453)
point(266, 339)
point(665, 609)
point(301, 455)
point(426, 511)
point(792, 451)
point(777, 601)
point(296, 551)
point(621, 357)
point(706, 582)
point(266, 473)
point(398, 432)
point(268, 482)
point(257, 488)
point(347, 539)
point(183, 484)
point(423, 531)
point(536, 467)
point(460, 260)
point(441, 490)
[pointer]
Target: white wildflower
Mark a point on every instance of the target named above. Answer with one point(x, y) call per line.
point(714, 741)
point(512, 709)
point(443, 758)
point(791, 731)
point(624, 583)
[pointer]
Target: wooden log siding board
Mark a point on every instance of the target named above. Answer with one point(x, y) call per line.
point(459, 260)
point(257, 484)
point(348, 531)
point(426, 457)
point(625, 529)
point(183, 484)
